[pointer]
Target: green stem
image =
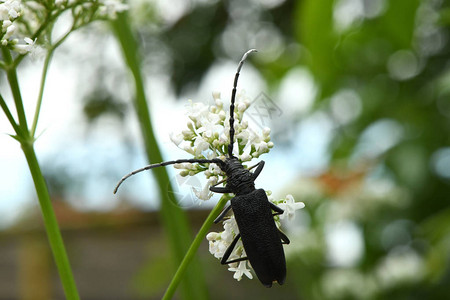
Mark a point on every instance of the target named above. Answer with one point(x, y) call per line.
point(174, 219)
point(15, 89)
point(41, 91)
point(51, 224)
point(48, 58)
point(10, 117)
point(193, 248)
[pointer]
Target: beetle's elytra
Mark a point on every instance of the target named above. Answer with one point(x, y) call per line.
point(253, 212)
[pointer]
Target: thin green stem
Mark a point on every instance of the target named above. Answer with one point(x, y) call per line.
point(11, 74)
point(41, 91)
point(194, 247)
point(51, 224)
point(10, 116)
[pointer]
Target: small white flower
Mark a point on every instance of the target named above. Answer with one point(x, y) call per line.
point(24, 48)
point(262, 147)
point(187, 166)
point(196, 111)
point(241, 107)
point(209, 125)
point(200, 145)
point(13, 14)
point(216, 96)
point(187, 134)
point(231, 229)
point(6, 24)
point(205, 193)
point(176, 138)
point(290, 206)
point(212, 236)
point(240, 271)
point(217, 248)
point(243, 136)
point(188, 149)
point(245, 157)
point(4, 15)
point(10, 30)
point(223, 139)
point(213, 170)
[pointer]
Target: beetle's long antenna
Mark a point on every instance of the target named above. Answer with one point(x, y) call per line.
point(166, 163)
point(233, 98)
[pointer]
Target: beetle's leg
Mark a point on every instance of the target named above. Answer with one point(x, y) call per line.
point(235, 260)
point(230, 249)
point(278, 211)
point(219, 189)
point(222, 214)
point(284, 238)
point(258, 169)
point(216, 189)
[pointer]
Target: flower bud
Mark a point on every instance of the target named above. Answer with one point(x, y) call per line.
point(216, 95)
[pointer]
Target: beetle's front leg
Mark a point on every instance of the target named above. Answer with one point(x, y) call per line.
point(258, 169)
point(229, 250)
point(222, 214)
point(278, 211)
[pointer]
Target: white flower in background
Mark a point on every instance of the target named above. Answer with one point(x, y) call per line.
point(60, 2)
point(22, 21)
point(110, 8)
point(401, 266)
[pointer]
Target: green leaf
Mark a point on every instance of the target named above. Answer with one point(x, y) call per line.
point(314, 29)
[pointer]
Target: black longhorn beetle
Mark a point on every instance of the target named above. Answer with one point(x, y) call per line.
point(261, 238)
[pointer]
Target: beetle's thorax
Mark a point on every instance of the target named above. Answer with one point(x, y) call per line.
point(239, 180)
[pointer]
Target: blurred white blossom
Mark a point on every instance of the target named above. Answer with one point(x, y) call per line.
point(401, 266)
point(23, 23)
point(110, 8)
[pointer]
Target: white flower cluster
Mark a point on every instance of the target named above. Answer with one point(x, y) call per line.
point(104, 8)
point(10, 11)
point(208, 135)
point(110, 8)
point(21, 20)
point(220, 241)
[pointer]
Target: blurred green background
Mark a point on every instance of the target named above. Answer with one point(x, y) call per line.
point(364, 90)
